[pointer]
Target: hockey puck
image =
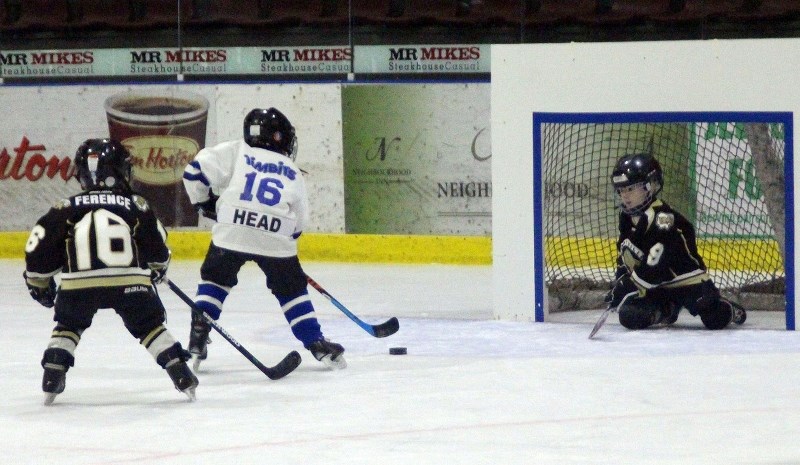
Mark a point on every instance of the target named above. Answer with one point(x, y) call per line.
point(398, 351)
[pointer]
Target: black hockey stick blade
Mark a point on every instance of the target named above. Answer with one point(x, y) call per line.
point(284, 367)
point(387, 328)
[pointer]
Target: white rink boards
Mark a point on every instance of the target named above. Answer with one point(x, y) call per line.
point(654, 77)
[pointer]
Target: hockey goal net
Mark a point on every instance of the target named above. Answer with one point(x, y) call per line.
point(726, 176)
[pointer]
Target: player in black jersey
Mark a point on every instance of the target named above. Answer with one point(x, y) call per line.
point(659, 270)
point(109, 249)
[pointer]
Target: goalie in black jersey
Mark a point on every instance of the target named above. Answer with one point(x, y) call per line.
point(659, 270)
point(109, 249)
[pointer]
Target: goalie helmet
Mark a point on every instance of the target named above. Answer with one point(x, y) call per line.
point(103, 164)
point(637, 180)
point(270, 129)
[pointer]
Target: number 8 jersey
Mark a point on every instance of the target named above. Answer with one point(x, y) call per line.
point(99, 238)
point(262, 206)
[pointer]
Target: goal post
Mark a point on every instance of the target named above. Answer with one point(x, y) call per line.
point(730, 173)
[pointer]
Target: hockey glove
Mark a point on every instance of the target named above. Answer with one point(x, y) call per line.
point(622, 287)
point(209, 207)
point(158, 271)
point(42, 290)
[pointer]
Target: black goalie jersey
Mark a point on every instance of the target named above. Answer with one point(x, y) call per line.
point(97, 239)
point(659, 250)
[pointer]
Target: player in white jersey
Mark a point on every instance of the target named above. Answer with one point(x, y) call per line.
point(256, 194)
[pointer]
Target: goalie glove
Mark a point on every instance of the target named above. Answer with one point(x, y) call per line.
point(209, 207)
point(42, 290)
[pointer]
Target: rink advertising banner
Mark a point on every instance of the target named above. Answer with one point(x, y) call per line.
point(321, 60)
point(417, 159)
point(164, 126)
point(417, 59)
point(210, 61)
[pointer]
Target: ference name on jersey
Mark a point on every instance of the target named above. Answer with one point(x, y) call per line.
point(103, 199)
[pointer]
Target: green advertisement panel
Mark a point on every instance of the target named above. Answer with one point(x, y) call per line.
point(417, 159)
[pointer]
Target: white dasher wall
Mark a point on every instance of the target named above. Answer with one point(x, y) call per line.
point(685, 76)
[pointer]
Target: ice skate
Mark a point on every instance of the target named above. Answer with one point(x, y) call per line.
point(198, 340)
point(183, 378)
point(55, 362)
point(329, 353)
point(53, 382)
point(739, 315)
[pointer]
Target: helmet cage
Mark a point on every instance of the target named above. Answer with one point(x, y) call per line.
point(648, 196)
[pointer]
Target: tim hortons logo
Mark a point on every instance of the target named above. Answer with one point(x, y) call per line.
point(29, 162)
point(160, 160)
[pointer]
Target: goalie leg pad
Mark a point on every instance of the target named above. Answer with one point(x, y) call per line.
point(717, 315)
point(715, 312)
point(639, 313)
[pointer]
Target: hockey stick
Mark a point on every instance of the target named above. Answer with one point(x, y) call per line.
point(387, 328)
point(283, 368)
point(604, 316)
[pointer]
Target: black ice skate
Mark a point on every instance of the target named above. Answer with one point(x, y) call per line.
point(55, 362)
point(329, 353)
point(183, 378)
point(53, 382)
point(739, 314)
point(198, 340)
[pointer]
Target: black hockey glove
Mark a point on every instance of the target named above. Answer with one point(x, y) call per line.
point(622, 286)
point(209, 207)
point(43, 290)
point(157, 275)
point(158, 271)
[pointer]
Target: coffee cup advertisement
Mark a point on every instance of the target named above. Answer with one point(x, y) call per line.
point(163, 132)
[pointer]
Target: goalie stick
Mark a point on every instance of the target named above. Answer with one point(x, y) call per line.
point(387, 328)
point(604, 316)
point(283, 368)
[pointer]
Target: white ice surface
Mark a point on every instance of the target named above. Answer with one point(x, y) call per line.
point(471, 390)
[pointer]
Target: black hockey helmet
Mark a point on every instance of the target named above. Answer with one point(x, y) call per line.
point(638, 170)
point(270, 129)
point(103, 164)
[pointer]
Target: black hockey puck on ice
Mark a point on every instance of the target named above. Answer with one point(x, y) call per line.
point(398, 351)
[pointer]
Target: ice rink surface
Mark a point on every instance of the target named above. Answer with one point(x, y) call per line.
point(472, 390)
